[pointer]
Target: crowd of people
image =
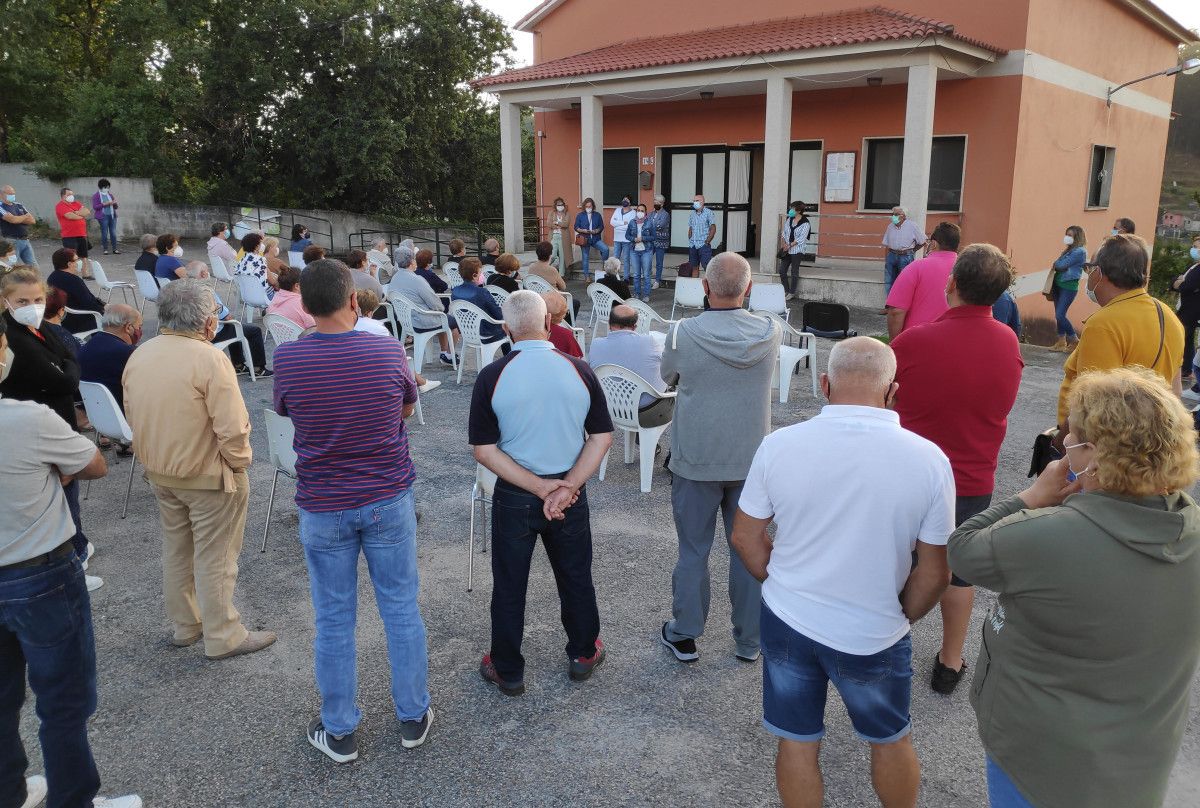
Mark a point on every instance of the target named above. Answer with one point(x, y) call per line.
point(900, 520)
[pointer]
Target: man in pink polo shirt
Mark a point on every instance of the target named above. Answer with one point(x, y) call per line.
point(919, 294)
point(958, 378)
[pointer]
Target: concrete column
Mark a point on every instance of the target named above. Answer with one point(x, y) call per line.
point(777, 156)
point(510, 176)
point(918, 142)
point(591, 142)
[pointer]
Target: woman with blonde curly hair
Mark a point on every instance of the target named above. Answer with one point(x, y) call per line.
point(1086, 662)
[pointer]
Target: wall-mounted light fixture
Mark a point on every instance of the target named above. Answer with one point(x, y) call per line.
point(575, 105)
point(706, 95)
point(874, 81)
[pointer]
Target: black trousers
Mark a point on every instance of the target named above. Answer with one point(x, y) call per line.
point(258, 351)
point(789, 273)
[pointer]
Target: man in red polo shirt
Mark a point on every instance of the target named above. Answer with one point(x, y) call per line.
point(958, 379)
point(73, 217)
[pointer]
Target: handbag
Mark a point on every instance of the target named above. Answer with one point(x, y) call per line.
point(581, 240)
point(1044, 452)
point(1048, 286)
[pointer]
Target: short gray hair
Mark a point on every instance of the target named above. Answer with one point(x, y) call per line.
point(902, 209)
point(119, 315)
point(195, 269)
point(185, 305)
point(149, 241)
point(728, 275)
point(403, 256)
point(379, 243)
point(660, 198)
point(524, 312)
point(612, 266)
point(862, 362)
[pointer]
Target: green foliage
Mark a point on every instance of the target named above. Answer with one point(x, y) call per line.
point(354, 104)
point(1170, 260)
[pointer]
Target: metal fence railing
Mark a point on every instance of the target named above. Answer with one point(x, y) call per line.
point(245, 217)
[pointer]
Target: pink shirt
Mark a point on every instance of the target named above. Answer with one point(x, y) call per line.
point(287, 304)
point(921, 288)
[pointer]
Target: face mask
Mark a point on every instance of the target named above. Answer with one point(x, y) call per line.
point(1072, 474)
point(1115, 232)
point(10, 198)
point(791, 212)
point(9, 260)
point(70, 198)
point(641, 214)
point(697, 205)
point(1194, 252)
point(136, 336)
point(1068, 240)
point(657, 206)
point(588, 209)
point(226, 232)
point(895, 219)
point(560, 208)
point(30, 315)
point(7, 365)
point(1091, 293)
point(177, 252)
point(624, 203)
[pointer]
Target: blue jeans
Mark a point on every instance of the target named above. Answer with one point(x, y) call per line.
point(25, 252)
point(699, 256)
point(79, 541)
point(594, 243)
point(108, 231)
point(1002, 792)
point(1063, 298)
point(640, 271)
point(893, 265)
point(660, 255)
point(517, 521)
point(621, 250)
point(46, 629)
point(386, 533)
point(876, 688)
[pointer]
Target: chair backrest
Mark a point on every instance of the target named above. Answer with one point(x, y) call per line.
point(537, 284)
point(469, 317)
point(498, 294)
point(252, 291)
point(146, 285)
point(281, 328)
point(768, 297)
point(98, 273)
point(828, 317)
point(281, 434)
point(623, 391)
point(296, 259)
point(647, 316)
point(219, 270)
point(789, 332)
point(103, 412)
point(450, 271)
point(603, 299)
point(689, 292)
point(485, 478)
point(403, 308)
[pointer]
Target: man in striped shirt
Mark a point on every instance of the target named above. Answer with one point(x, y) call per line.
point(347, 393)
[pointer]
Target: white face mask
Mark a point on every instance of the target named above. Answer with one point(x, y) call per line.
point(560, 208)
point(1087, 287)
point(1115, 232)
point(1068, 240)
point(69, 198)
point(177, 252)
point(30, 315)
point(8, 363)
point(588, 209)
point(641, 214)
point(697, 205)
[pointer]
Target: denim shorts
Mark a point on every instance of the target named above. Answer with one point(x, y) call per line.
point(876, 689)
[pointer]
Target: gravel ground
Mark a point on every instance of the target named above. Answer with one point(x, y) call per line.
point(645, 730)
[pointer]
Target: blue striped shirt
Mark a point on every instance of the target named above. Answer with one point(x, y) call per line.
point(345, 394)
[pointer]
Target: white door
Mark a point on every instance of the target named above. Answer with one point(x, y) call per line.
point(806, 184)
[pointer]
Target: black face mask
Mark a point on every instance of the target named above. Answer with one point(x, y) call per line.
point(657, 206)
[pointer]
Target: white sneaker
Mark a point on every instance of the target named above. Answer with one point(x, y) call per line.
point(91, 551)
point(655, 285)
point(93, 582)
point(128, 801)
point(430, 384)
point(35, 791)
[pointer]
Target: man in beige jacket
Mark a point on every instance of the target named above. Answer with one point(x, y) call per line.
point(192, 432)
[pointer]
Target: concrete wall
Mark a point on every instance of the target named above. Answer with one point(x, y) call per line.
point(134, 195)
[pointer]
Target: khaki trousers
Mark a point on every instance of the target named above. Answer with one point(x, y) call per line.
point(202, 539)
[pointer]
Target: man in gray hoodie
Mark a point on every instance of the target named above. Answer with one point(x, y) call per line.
point(722, 362)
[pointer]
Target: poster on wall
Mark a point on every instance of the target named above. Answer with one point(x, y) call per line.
point(839, 176)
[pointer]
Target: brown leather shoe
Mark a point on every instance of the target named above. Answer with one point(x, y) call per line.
point(255, 641)
point(186, 642)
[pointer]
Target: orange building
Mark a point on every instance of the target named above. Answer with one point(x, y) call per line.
point(994, 115)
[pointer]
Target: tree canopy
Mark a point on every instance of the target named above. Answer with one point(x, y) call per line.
point(354, 104)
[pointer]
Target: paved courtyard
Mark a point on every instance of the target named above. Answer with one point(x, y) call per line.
point(645, 730)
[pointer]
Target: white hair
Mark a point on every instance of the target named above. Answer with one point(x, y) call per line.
point(195, 269)
point(403, 256)
point(119, 315)
point(379, 244)
point(728, 275)
point(185, 305)
point(660, 198)
point(524, 313)
point(862, 362)
point(902, 209)
point(612, 266)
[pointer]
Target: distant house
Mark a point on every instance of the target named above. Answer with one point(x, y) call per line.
point(1173, 219)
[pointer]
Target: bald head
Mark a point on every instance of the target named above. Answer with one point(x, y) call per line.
point(727, 280)
point(556, 306)
point(119, 315)
point(861, 371)
point(622, 317)
point(491, 247)
point(197, 270)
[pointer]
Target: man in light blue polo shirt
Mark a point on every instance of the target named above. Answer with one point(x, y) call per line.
point(702, 229)
point(540, 422)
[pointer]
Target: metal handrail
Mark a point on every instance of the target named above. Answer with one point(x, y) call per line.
point(263, 216)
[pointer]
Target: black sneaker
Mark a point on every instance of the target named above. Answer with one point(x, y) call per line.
point(487, 669)
point(445, 359)
point(263, 373)
point(413, 733)
point(581, 667)
point(945, 679)
point(241, 370)
point(684, 650)
point(339, 750)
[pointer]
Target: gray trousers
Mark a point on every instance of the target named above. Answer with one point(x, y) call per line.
point(695, 504)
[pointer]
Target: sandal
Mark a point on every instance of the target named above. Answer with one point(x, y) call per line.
point(104, 443)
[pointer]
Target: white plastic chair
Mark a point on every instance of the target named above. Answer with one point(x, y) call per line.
point(603, 299)
point(537, 284)
point(108, 420)
point(790, 355)
point(481, 495)
point(647, 316)
point(689, 294)
point(498, 294)
point(104, 283)
point(470, 317)
point(281, 328)
point(253, 296)
point(450, 272)
point(769, 297)
point(579, 337)
point(82, 336)
point(221, 272)
point(239, 337)
point(403, 310)
point(623, 390)
point(296, 259)
point(147, 286)
point(281, 434)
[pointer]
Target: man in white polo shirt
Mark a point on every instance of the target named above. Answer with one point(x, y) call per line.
point(840, 588)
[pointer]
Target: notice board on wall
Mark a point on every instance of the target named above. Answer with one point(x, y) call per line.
point(839, 176)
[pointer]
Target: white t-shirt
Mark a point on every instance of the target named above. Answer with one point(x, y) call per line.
point(372, 326)
point(851, 492)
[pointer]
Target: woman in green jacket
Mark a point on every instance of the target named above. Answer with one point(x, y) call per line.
point(1084, 672)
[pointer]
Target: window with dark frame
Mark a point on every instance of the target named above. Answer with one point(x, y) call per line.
point(1100, 176)
point(885, 161)
point(620, 176)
